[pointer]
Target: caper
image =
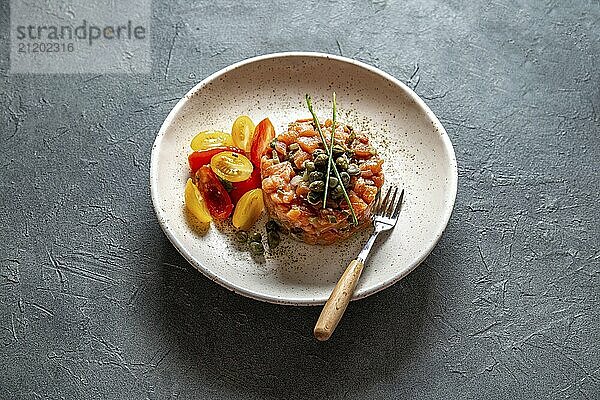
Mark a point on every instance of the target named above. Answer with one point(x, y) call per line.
point(318, 152)
point(349, 154)
point(338, 150)
point(272, 226)
point(318, 186)
point(345, 178)
point(255, 237)
point(273, 239)
point(337, 193)
point(241, 236)
point(316, 176)
point(353, 169)
point(321, 161)
point(305, 176)
point(294, 147)
point(333, 181)
point(342, 163)
point(314, 198)
point(256, 248)
point(352, 135)
point(308, 165)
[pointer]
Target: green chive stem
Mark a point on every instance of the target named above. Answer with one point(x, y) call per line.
point(337, 174)
point(330, 158)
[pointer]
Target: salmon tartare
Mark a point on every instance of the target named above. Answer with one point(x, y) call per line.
point(294, 176)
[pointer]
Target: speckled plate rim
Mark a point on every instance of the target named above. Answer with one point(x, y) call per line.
point(162, 219)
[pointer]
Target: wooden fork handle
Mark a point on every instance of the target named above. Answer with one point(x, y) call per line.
point(338, 301)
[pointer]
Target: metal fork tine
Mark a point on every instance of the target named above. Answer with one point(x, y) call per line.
point(390, 208)
point(398, 206)
point(376, 203)
point(384, 203)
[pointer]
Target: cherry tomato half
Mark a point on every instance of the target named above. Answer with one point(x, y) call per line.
point(211, 139)
point(263, 134)
point(195, 203)
point(239, 188)
point(214, 194)
point(230, 166)
point(203, 157)
point(248, 209)
point(242, 132)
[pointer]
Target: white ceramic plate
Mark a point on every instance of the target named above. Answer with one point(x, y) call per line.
point(417, 152)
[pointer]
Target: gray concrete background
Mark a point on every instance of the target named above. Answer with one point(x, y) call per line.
point(96, 303)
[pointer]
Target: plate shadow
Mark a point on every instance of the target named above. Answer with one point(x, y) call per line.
point(232, 344)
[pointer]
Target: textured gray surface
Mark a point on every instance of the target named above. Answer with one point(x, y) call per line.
point(96, 303)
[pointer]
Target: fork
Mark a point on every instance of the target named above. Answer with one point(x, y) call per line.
point(384, 216)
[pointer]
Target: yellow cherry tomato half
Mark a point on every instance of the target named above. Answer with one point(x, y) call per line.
point(232, 167)
point(248, 209)
point(210, 139)
point(242, 131)
point(195, 203)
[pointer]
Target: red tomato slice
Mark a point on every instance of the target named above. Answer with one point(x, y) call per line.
point(202, 157)
point(263, 134)
point(240, 188)
point(214, 194)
